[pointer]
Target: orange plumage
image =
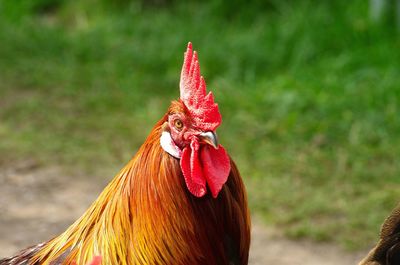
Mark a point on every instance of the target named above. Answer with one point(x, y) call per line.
point(148, 215)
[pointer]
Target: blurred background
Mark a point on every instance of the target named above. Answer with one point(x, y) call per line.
point(309, 92)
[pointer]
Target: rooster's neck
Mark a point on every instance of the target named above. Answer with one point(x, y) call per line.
point(133, 217)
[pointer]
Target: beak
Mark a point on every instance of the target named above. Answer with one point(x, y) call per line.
point(209, 138)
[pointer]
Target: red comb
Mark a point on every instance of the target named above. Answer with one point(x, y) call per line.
point(201, 105)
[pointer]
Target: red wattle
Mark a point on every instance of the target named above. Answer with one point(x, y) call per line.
point(204, 165)
point(216, 167)
point(191, 169)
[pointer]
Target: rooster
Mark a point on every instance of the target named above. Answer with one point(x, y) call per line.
point(180, 200)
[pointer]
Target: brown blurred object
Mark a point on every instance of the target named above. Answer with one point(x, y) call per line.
point(387, 250)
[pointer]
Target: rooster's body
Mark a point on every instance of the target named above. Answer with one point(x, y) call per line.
point(179, 201)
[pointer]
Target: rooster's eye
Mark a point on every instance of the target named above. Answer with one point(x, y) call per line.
point(178, 124)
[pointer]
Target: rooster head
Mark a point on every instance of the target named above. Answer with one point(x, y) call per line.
point(189, 132)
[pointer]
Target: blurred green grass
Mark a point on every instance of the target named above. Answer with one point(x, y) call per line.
point(309, 92)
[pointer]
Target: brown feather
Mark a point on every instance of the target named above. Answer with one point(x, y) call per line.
point(23, 257)
point(387, 250)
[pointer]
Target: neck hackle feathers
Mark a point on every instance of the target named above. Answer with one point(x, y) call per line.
point(200, 105)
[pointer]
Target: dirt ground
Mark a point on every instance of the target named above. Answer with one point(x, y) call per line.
point(37, 203)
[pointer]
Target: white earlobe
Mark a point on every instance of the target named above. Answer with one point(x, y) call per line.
point(169, 146)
